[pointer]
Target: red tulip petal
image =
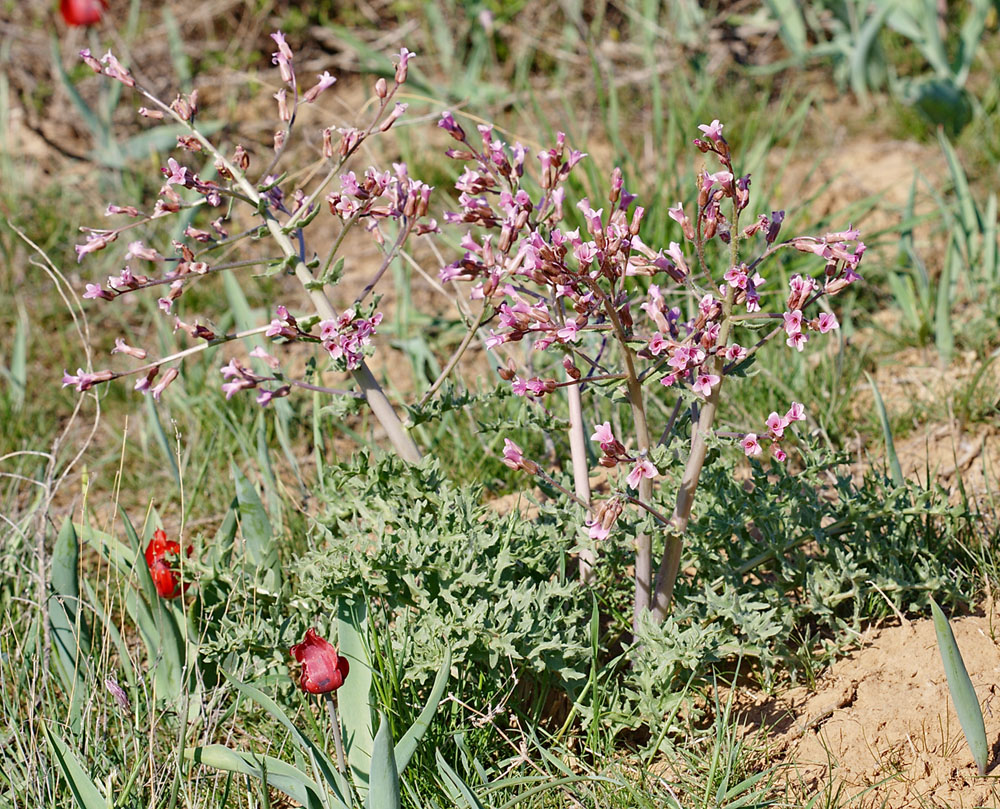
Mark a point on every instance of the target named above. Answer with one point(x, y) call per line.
point(323, 670)
point(82, 12)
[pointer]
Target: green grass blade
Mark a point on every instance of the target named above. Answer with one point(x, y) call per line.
point(97, 128)
point(791, 26)
point(944, 335)
point(84, 790)
point(178, 57)
point(966, 204)
point(255, 528)
point(18, 372)
point(408, 744)
point(896, 472)
point(321, 761)
point(67, 627)
point(279, 774)
point(862, 50)
point(963, 695)
point(455, 783)
point(988, 259)
point(162, 440)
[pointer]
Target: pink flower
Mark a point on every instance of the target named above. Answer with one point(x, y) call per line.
point(797, 341)
point(735, 352)
point(778, 453)
point(569, 332)
point(713, 131)
point(536, 385)
point(585, 252)
point(736, 277)
point(139, 250)
point(796, 412)
point(121, 347)
point(793, 322)
point(95, 242)
point(657, 345)
point(750, 445)
point(603, 434)
point(325, 81)
point(597, 530)
point(704, 384)
point(776, 425)
point(93, 291)
point(169, 376)
point(512, 454)
point(827, 321)
point(643, 469)
point(269, 359)
point(175, 173)
point(404, 60)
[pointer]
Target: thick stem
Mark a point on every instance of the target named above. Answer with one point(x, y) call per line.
point(666, 574)
point(338, 741)
point(581, 472)
point(643, 542)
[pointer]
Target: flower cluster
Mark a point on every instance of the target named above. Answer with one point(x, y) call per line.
point(776, 426)
point(349, 338)
point(383, 195)
point(572, 290)
point(283, 214)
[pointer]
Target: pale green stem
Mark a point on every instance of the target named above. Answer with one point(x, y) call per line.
point(338, 741)
point(581, 472)
point(643, 542)
point(666, 575)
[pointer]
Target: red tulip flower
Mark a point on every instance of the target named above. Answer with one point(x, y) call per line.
point(161, 554)
point(82, 12)
point(323, 670)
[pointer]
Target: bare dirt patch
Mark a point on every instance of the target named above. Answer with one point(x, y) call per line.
point(880, 730)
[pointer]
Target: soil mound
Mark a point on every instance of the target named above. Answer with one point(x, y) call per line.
point(880, 730)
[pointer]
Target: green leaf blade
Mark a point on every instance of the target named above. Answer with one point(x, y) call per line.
point(963, 695)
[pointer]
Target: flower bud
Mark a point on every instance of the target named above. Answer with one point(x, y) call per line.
point(571, 370)
point(381, 88)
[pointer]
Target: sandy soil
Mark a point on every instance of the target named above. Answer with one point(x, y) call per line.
point(880, 730)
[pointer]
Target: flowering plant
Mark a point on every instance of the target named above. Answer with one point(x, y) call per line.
point(622, 315)
point(375, 200)
point(575, 293)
